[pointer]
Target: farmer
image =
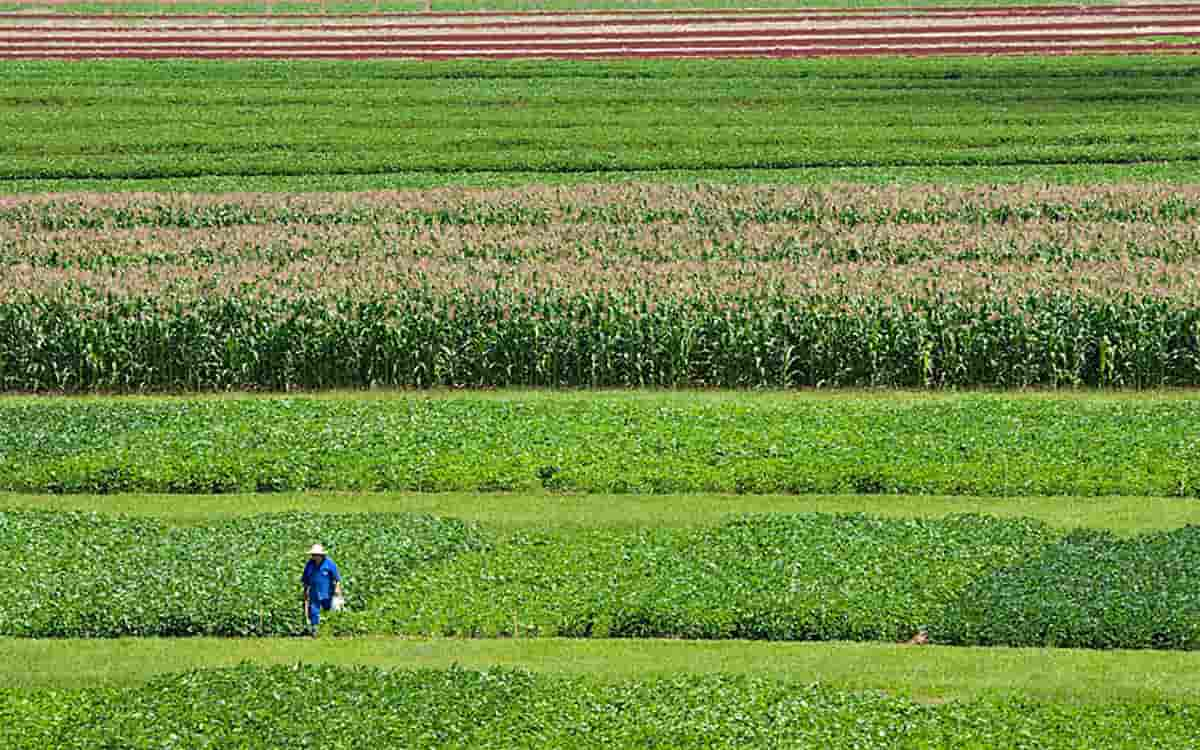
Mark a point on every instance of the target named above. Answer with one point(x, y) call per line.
point(321, 582)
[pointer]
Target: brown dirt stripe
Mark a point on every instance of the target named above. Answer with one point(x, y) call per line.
point(664, 41)
point(1109, 30)
point(351, 52)
point(681, 17)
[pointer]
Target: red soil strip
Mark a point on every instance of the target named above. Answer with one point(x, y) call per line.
point(877, 10)
point(1013, 31)
point(909, 34)
point(1194, 17)
point(680, 17)
point(662, 41)
point(348, 52)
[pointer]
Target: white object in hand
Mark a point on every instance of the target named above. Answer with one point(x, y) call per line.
point(338, 603)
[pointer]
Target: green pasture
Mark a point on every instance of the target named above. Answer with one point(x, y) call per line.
point(308, 125)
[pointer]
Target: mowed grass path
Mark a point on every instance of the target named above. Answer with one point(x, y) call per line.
point(922, 672)
point(507, 512)
point(322, 125)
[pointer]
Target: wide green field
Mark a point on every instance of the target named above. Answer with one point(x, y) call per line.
point(538, 555)
point(313, 125)
point(674, 404)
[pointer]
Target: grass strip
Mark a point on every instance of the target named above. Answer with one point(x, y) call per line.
point(924, 672)
point(506, 512)
point(641, 443)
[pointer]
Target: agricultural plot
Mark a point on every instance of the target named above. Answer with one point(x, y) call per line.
point(305, 125)
point(877, 444)
point(1162, 28)
point(960, 580)
point(849, 575)
point(628, 286)
point(697, 286)
point(256, 707)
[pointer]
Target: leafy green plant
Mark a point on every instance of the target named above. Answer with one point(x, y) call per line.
point(1088, 590)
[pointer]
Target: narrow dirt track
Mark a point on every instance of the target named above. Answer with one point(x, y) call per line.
point(1127, 29)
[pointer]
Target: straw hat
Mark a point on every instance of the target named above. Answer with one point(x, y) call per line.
point(317, 550)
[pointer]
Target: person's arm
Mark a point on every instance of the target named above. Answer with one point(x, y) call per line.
point(337, 579)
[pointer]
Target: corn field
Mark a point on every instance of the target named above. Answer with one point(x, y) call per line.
point(627, 285)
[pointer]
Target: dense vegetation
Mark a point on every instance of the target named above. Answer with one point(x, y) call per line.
point(964, 579)
point(1090, 590)
point(779, 577)
point(630, 287)
point(349, 125)
point(330, 707)
point(89, 575)
point(645, 443)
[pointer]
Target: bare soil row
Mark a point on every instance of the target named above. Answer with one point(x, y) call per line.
point(1114, 30)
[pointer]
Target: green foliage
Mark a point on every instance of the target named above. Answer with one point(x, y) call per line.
point(329, 707)
point(965, 579)
point(120, 120)
point(1089, 590)
point(779, 577)
point(610, 443)
point(631, 286)
point(620, 338)
point(89, 575)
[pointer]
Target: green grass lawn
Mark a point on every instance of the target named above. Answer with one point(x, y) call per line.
point(925, 672)
point(303, 125)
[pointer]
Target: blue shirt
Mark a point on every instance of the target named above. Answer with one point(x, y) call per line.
point(318, 580)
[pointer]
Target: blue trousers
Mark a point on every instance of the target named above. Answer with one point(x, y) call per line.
point(314, 610)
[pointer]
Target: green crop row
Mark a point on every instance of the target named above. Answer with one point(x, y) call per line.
point(664, 443)
point(86, 575)
point(122, 120)
point(633, 286)
point(964, 579)
point(510, 337)
point(782, 577)
point(704, 208)
point(365, 708)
